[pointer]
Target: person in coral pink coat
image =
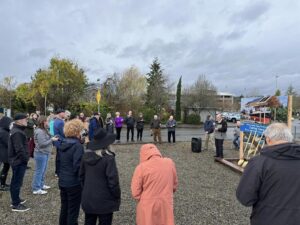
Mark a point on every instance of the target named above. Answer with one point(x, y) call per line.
point(153, 183)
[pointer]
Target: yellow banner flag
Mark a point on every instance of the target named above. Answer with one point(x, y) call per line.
point(98, 96)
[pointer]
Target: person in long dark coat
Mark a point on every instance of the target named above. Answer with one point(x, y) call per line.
point(99, 177)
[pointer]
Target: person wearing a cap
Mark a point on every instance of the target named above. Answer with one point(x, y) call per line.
point(153, 183)
point(18, 156)
point(99, 177)
point(70, 154)
point(4, 136)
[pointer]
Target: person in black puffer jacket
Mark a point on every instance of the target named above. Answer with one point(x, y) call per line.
point(4, 135)
point(69, 159)
point(18, 156)
point(100, 180)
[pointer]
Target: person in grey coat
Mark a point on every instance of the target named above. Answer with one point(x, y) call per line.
point(43, 147)
point(171, 124)
point(220, 135)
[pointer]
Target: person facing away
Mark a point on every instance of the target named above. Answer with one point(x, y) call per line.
point(4, 136)
point(171, 124)
point(109, 123)
point(70, 154)
point(118, 124)
point(236, 135)
point(140, 127)
point(153, 183)
point(220, 135)
point(270, 182)
point(101, 195)
point(95, 123)
point(155, 127)
point(209, 130)
point(130, 122)
point(43, 148)
point(18, 157)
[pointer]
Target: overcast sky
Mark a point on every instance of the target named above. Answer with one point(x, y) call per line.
point(239, 45)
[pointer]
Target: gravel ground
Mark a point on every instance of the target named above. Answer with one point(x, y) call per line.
point(206, 192)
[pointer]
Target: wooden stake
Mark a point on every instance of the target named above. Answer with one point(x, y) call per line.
point(290, 110)
point(241, 145)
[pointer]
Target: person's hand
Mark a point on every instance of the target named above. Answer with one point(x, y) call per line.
point(206, 132)
point(54, 138)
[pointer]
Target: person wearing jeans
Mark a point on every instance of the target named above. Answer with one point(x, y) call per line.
point(70, 154)
point(43, 148)
point(18, 155)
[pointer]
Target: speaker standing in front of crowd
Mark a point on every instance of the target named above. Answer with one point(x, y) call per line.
point(220, 135)
point(18, 155)
point(171, 125)
point(99, 177)
point(70, 154)
point(4, 136)
point(43, 148)
point(130, 122)
point(153, 183)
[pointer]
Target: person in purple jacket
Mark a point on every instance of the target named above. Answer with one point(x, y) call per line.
point(118, 125)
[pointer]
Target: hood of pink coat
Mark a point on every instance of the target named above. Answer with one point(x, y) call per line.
point(147, 151)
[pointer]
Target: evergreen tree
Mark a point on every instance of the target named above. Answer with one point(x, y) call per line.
point(157, 95)
point(278, 92)
point(178, 100)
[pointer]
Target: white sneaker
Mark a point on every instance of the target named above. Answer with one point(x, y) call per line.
point(39, 192)
point(46, 187)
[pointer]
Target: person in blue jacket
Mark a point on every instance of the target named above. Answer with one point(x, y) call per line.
point(95, 123)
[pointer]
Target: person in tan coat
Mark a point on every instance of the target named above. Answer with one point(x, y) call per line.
point(153, 183)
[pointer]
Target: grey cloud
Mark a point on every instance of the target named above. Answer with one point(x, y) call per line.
point(40, 52)
point(251, 13)
point(107, 49)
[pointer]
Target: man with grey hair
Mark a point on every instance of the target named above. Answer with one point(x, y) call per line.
point(271, 180)
point(155, 127)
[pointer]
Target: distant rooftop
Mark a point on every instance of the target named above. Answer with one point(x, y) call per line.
point(225, 94)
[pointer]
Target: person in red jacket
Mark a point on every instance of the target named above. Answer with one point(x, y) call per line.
point(153, 183)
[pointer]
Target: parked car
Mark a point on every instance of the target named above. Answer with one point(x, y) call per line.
point(233, 117)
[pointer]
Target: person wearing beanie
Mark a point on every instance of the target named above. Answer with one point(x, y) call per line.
point(18, 156)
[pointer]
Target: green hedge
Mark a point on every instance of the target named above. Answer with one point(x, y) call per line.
point(193, 119)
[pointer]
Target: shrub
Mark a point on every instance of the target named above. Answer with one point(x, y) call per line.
point(193, 119)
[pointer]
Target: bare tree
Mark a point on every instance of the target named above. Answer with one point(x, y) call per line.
point(201, 94)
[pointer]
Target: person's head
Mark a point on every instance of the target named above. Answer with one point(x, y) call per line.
point(278, 133)
point(97, 115)
point(73, 128)
point(102, 139)
point(130, 113)
point(117, 114)
point(81, 115)
point(60, 113)
point(208, 117)
point(108, 115)
point(34, 116)
point(238, 123)
point(219, 117)
point(21, 119)
point(147, 151)
point(5, 122)
point(67, 115)
point(171, 117)
point(155, 117)
point(43, 122)
point(140, 114)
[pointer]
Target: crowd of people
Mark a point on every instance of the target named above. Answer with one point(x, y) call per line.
point(85, 164)
point(88, 175)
